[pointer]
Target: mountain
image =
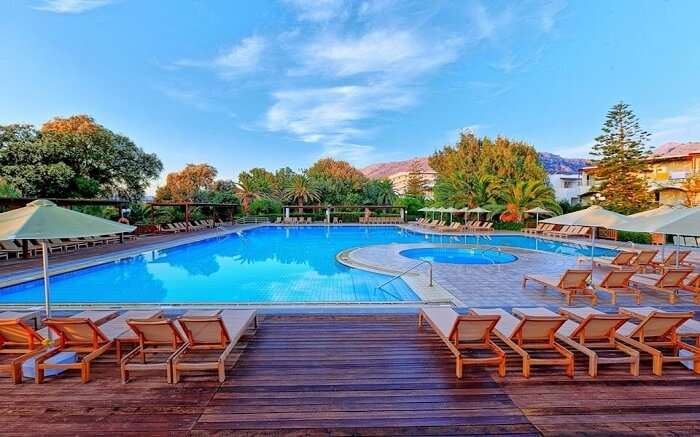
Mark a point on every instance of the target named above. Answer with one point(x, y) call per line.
point(675, 149)
point(556, 164)
point(386, 169)
point(552, 163)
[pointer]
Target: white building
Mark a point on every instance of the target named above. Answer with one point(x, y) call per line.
point(567, 187)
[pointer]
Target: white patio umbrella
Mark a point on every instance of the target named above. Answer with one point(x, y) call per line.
point(424, 210)
point(537, 211)
point(593, 217)
point(478, 210)
point(657, 212)
point(441, 210)
point(451, 210)
point(677, 221)
point(42, 220)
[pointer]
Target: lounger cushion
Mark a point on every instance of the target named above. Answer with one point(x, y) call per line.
point(29, 368)
point(566, 329)
point(442, 318)
point(506, 325)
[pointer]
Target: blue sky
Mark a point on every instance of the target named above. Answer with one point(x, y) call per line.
point(240, 84)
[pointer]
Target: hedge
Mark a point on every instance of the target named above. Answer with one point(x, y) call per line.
point(634, 237)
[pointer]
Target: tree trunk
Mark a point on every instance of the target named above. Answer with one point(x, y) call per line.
point(300, 202)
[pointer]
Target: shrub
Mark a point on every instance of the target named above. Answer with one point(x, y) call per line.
point(508, 226)
point(264, 206)
point(634, 237)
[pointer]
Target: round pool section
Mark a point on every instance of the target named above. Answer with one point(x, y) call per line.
point(452, 255)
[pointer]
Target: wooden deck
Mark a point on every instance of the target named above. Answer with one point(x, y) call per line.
point(355, 375)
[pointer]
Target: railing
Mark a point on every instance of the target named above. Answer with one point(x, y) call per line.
point(430, 274)
point(251, 219)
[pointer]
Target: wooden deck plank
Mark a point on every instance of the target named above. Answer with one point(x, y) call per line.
point(355, 375)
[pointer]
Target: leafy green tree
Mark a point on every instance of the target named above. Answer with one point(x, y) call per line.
point(265, 206)
point(328, 168)
point(189, 184)
point(8, 190)
point(416, 185)
point(411, 203)
point(622, 150)
point(302, 190)
point(379, 192)
point(74, 157)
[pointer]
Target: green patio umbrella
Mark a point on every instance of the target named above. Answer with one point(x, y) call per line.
point(537, 211)
point(43, 220)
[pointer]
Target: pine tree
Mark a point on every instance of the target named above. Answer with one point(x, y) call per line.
point(622, 151)
point(415, 184)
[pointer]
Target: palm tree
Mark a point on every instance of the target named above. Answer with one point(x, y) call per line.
point(302, 190)
point(246, 192)
point(523, 195)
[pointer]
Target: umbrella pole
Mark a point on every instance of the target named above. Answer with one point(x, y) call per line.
point(45, 265)
point(678, 248)
point(593, 231)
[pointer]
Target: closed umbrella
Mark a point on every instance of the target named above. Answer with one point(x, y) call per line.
point(537, 211)
point(677, 221)
point(593, 217)
point(42, 220)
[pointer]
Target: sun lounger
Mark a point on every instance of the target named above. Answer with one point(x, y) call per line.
point(618, 282)
point(644, 259)
point(658, 329)
point(692, 285)
point(465, 333)
point(218, 333)
point(528, 334)
point(10, 247)
point(670, 282)
point(670, 261)
point(118, 329)
point(155, 336)
point(17, 338)
point(690, 328)
point(485, 227)
point(31, 317)
point(75, 334)
point(536, 230)
point(623, 260)
point(571, 284)
point(597, 331)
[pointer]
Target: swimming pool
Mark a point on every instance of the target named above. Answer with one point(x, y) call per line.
point(271, 264)
point(451, 255)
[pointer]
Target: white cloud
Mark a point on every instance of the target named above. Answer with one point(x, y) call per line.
point(680, 128)
point(244, 57)
point(318, 10)
point(382, 51)
point(329, 116)
point(71, 6)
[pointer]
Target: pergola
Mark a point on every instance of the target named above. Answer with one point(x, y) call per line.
point(18, 202)
point(187, 205)
point(329, 208)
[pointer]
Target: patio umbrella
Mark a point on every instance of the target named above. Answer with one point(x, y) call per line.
point(537, 211)
point(451, 211)
point(425, 210)
point(478, 210)
point(676, 221)
point(593, 217)
point(42, 220)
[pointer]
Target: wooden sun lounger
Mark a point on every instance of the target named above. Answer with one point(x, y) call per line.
point(656, 330)
point(690, 328)
point(75, 334)
point(571, 284)
point(98, 317)
point(692, 285)
point(670, 261)
point(25, 316)
point(18, 338)
point(670, 282)
point(155, 336)
point(618, 282)
point(464, 333)
point(531, 333)
point(211, 333)
point(593, 332)
point(622, 261)
point(644, 259)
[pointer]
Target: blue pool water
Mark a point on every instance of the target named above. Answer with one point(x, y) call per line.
point(451, 255)
point(267, 264)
